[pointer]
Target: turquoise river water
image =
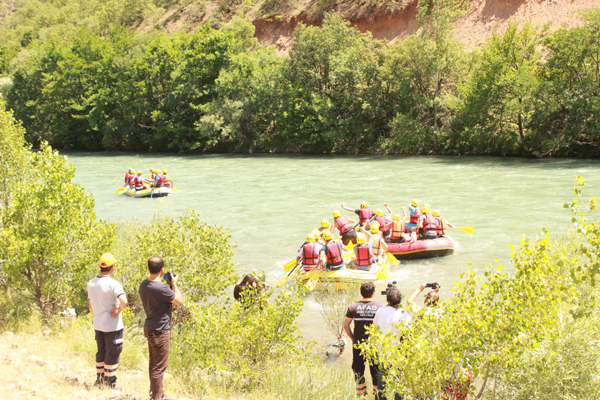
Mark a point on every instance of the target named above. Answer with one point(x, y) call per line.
point(271, 202)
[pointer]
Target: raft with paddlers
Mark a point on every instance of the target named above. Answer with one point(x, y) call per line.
point(424, 248)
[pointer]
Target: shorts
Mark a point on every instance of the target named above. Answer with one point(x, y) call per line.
point(334, 267)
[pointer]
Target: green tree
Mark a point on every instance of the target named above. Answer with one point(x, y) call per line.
point(50, 234)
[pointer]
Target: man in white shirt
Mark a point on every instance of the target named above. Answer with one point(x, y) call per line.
point(388, 319)
point(107, 300)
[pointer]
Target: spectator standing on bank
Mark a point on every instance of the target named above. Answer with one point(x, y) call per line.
point(158, 298)
point(387, 319)
point(362, 313)
point(107, 300)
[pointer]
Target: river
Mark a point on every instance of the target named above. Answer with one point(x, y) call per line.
point(270, 203)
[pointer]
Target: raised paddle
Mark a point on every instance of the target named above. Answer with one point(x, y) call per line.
point(289, 265)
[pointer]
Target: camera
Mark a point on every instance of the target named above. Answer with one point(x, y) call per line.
point(432, 285)
point(390, 285)
point(168, 277)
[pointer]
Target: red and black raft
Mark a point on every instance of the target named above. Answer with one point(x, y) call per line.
point(428, 248)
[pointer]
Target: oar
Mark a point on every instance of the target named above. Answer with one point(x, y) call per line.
point(289, 265)
point(173, 189)
point(119, 190)
point(468, 229)
point(285, 278)
point(392, 259)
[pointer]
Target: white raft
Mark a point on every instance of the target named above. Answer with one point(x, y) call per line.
point(157, 192)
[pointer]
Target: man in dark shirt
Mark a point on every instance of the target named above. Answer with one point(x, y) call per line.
point(362, 313)
point(157, 298)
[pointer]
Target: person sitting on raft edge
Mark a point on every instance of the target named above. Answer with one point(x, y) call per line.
point(442, 224)
point(399, 232)
point(331, 253)
point(324, 226)
point(363, 254)
point(378, 245)
point(344, 226)
point(415, 214)
point(309, 253)
point(128, 176)
point(427, 227)
point(167, 179)
point(384, 224)
point(364, 213)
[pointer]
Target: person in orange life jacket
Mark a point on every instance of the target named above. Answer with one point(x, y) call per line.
point(442, 224)
point(345, 227)
point(415, 214)
point(364, 213)
point(427, 227)
point(362, 313)
point(384, 225)
point(378, 245)
point(363, 255)
point(167, 179)
point(399, 233)
point(139, 182)
point(331, 252)
point(309, 253)
point(128, 175)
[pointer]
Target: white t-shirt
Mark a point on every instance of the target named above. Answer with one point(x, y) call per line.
point(103, 292)
point(388, 316)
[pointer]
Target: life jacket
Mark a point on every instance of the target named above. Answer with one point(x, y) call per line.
point(160, 181)
point(310, 254)
point(131, 180)
point(376, 244)
point(384, 225)
point(429, 223)
point(442, 225)
point(364, 256)
point(333, 253)
point(364, 215)
point(398, 229)
point(343, 224)
point(127, 177)
point(139, 182)
point(414, 218)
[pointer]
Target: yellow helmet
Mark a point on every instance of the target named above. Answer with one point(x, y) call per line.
point(139, 172)
point(378, 212)
point(396, 217)
point(336, 214)
point(414, 203)
point(425, 210)
point(327, 235)
point(374, 228)
point(316, 233)
point(324, 223)
point(436, 213)
point(427, 205)
point(360, 239)
point(364, 204)
point(151, 169)
point(310, 237)
point(164, 171)
point(107, 260)
point(131, 170)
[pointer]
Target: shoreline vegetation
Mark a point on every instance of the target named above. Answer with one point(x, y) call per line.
point(99, 85)
point(530, 333)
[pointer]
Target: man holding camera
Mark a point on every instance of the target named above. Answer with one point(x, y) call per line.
point(158, 298)
point(362, 313)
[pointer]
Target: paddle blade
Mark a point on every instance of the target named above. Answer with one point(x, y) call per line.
point(468, 229)
point(175, 190)
point(350, 245)
point(392, 259)
point(119, 190)
point(289, 265)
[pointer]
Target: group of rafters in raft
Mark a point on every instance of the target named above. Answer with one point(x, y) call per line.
point(135, 185)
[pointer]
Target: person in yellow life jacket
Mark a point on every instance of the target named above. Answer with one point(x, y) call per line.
point(378, 245)
point(442, 224)
point(309, 253)
point(415, 214)
point(345, 227)
point(384, 225)
point(399, 232)
point(363, 254)
point(365, 215)
point(331, 253)
point(427, 227)
point(167, 179)
point(324, 226)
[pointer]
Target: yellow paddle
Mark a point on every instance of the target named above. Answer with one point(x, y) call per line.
point(119, 190)
point(285, 278)
point(173, 189)
point(309, 284)
point(468, 229)
point(289, 265)
point(392, 259)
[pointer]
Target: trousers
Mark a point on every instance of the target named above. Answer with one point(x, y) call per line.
point(158, 349)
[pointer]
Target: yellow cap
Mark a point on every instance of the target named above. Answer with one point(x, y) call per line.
point(107, 260)
point(378, 212)
point(414, 203)
point(364, 204)
point(327, 235)
point(324, 224)
point(360, 239)
point(436, 213)
point(164, 171)
point(139, 172)
point(336, 214)
point(396, 217)
point(310, 237)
